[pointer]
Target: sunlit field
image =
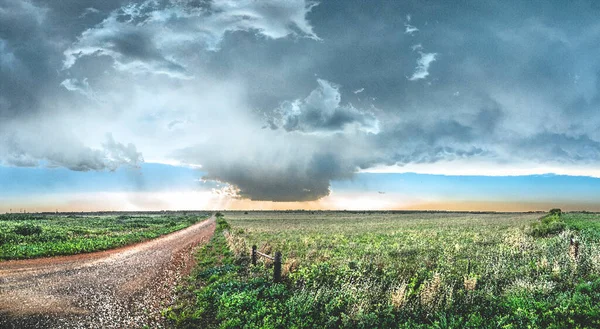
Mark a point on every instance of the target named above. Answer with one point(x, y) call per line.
point(36, 235)
point(398, 270)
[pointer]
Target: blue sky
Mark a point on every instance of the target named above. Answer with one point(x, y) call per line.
point(299, 103)
point(22, 181)
point(408, 190)
point(480, 188)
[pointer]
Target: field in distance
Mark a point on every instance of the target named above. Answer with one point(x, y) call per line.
point(398, 270)
point(40, 235)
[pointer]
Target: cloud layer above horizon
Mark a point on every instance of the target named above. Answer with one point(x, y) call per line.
point(279, 98)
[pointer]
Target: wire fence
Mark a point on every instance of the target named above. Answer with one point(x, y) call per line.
point(276, 262)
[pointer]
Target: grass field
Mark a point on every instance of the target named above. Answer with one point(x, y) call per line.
point(385, 270)
point(31, 235)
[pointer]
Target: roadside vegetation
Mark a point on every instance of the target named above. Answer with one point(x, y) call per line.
point(31, 235)
point(385, 270)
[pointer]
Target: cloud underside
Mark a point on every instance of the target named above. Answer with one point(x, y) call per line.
point(278, 98)
point(294, 182)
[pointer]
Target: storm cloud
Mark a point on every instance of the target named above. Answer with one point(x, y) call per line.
point(279, 98)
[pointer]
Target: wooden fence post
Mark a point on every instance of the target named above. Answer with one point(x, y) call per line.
point(574, 248)
point(254, 255)
point(277, 267)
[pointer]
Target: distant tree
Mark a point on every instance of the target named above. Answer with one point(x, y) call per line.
point(555, 211)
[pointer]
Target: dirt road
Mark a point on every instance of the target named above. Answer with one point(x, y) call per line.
point(120, 288)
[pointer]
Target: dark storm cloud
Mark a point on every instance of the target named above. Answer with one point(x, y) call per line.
point(25, 66)
point(562, 148)
point(512, 82)
point(284, 173)
point(295, 182)
point(33, 36)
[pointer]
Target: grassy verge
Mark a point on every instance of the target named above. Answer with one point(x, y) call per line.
point(397, 271)
point(29, 236)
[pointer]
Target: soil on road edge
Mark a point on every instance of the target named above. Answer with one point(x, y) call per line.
point(120, 288)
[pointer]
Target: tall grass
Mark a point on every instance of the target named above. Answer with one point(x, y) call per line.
point(443, 270)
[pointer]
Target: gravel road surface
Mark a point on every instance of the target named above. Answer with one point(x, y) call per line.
point(119, 288)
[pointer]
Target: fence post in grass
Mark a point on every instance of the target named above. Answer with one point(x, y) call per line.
point(254, 255)
point(468, 266)
point(277, 267)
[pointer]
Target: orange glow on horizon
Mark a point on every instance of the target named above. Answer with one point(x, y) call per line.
point(157, 201)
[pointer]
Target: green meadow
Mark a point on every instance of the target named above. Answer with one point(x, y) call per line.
point(33, 235)
point(397, 270)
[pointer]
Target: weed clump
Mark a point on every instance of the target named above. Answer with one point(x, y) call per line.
point(470, 282)
point(399, 296)
point(431, 291)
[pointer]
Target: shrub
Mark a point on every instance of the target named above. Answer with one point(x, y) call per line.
point(555, 211)
point(550, 224)
point(542, 230)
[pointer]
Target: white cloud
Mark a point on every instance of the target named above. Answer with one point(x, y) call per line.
point(89, 11)
point(323, 112)
point(417, 47)
point(423, 63)
point(358, 91)
point(82, 87)
point(36, 143)
point(410, 29)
